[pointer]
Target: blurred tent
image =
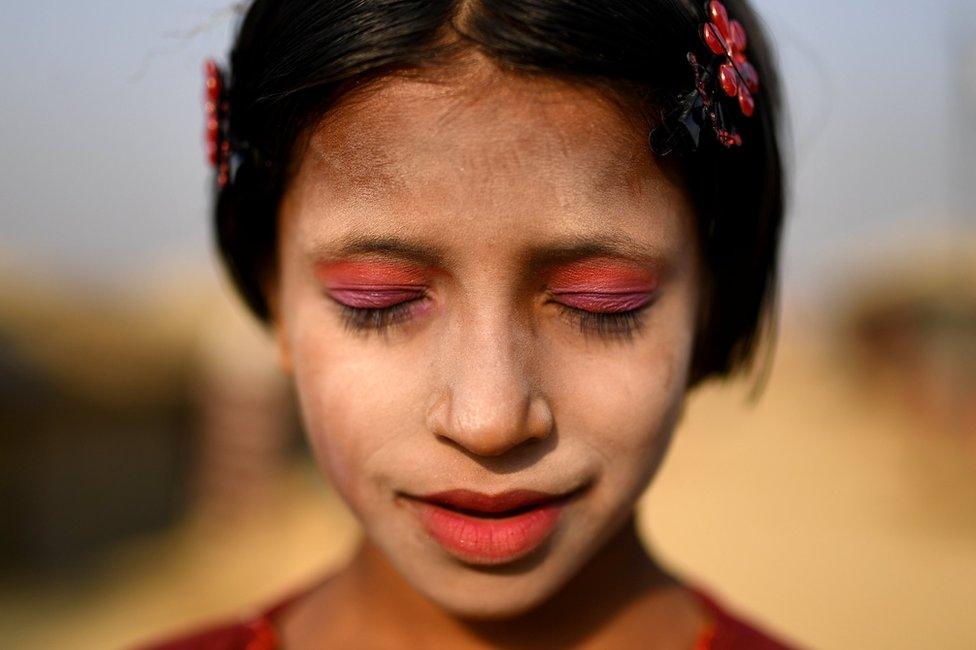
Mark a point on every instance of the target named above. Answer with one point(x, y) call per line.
point(908, 325)
point(115, 404)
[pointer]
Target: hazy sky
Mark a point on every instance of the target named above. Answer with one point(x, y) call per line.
point(102, 169)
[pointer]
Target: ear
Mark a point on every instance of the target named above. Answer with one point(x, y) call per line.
point(277, 326)
point(283, 347)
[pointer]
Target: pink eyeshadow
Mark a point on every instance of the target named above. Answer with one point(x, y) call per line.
point(371, 283)
point(366, 274)
point(604, 285)
point(605, 303)
point(601, 275)
point(374, 298)
point(595, 284)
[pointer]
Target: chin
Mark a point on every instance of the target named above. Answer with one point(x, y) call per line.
point(486, 593)
point(505, 597)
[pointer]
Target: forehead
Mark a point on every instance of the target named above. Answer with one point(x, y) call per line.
point(483, 150)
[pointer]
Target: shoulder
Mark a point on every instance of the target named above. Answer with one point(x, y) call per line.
point(731, 631)
point(256, 632)
point(248, 635)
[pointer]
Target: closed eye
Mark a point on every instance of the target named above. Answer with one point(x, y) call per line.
point(621, 324)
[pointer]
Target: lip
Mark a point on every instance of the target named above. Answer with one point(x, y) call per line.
point(488, 529)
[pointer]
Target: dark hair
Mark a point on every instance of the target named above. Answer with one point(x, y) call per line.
point(293, 59)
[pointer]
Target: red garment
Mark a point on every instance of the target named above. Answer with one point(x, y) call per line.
point(725, 631)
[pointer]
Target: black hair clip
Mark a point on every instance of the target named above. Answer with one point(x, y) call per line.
point(726, 41)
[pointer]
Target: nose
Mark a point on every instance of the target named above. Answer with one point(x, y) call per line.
point(488, 404)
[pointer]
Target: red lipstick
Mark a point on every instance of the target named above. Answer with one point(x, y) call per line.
point(489, 529)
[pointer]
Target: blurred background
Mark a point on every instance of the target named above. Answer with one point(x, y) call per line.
point(152, 471)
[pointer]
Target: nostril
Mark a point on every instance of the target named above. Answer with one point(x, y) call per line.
point(486, 422)
point(490, 445)
point(540, 419)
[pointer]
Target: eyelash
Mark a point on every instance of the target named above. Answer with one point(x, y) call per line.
point(607, 325)
point(361, 319)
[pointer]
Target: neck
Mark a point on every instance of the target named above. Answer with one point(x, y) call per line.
point(622, 572)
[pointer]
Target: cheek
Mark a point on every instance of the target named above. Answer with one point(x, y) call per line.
point(356, 403)
point(626, 405)
point(629, 399)
point(328, 403)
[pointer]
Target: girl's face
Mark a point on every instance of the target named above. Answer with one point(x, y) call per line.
point(487, 295)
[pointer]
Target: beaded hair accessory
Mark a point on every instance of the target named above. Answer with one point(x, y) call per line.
point(723, 64)
point(216, 105)
point(225, 151)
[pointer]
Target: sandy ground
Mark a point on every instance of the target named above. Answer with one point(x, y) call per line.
point(822, 512)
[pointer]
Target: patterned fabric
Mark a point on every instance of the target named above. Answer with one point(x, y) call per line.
point(724, 631)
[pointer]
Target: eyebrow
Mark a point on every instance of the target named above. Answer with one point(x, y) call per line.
point(537, 257)
point(363, 244)
point(585, 246)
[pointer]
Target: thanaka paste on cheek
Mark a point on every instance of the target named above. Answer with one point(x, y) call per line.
point(603, 285)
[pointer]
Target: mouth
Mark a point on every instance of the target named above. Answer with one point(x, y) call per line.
point(485, 529)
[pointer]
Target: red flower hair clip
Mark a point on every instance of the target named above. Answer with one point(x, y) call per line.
point(215, 105)
point(725, 62)
point(735, 74)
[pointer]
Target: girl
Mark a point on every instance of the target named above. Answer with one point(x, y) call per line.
point(497, 242)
